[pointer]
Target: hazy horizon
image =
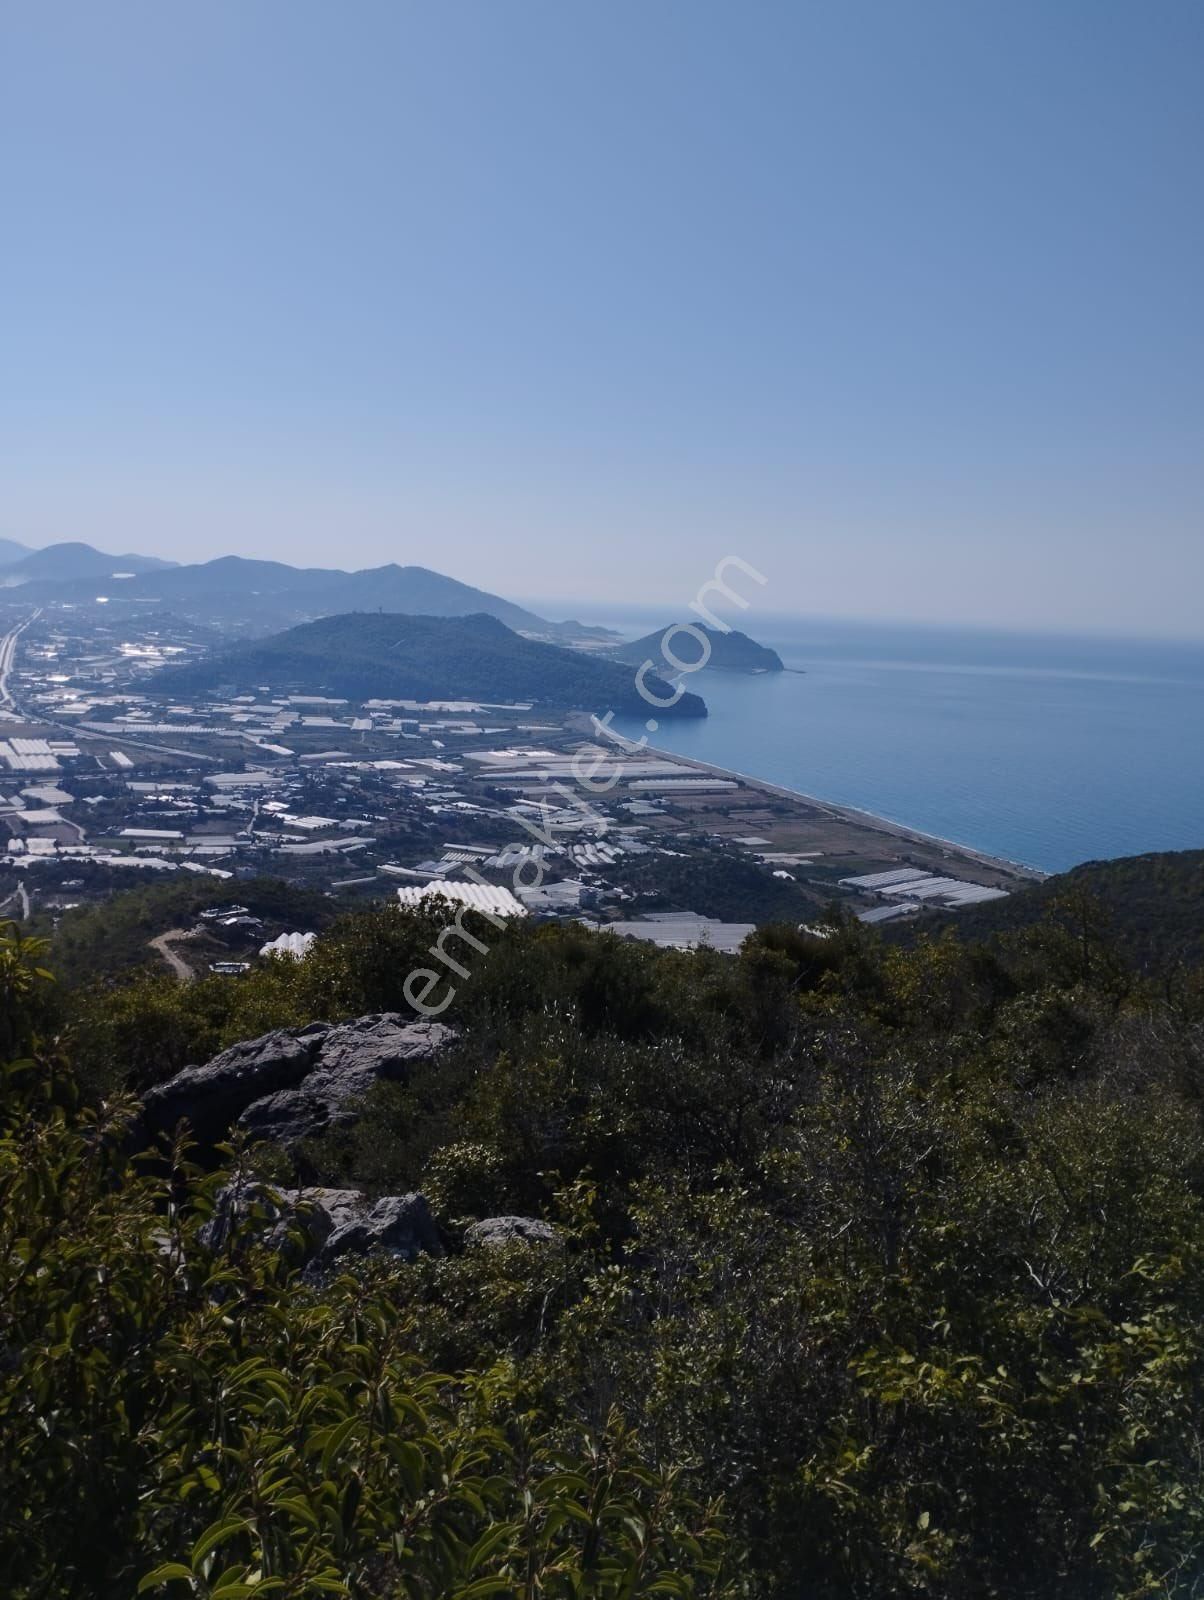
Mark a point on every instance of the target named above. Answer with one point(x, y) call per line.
point(759, 614)
point(900, 306)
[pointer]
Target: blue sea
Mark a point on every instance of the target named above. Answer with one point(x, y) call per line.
point(1049, 750)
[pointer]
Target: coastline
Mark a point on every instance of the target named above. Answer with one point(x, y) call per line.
point(854, 814)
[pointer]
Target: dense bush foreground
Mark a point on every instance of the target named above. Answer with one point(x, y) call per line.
point(883, 1276)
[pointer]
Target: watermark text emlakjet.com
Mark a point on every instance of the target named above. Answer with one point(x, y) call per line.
point(595, 772)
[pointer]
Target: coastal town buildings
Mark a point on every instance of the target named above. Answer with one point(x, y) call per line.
point(515, 808)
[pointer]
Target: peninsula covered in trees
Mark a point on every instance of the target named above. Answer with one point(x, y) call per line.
point(383, 654)
point(727, 649)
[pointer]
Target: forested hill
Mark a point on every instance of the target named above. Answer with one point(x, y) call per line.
point(379, 654)
point(731, 651)
point(1151, 907)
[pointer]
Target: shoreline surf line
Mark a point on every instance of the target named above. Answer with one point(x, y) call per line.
point(845, 813)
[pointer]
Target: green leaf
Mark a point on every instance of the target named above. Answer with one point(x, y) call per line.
point(338, 1438)
point(214, 1535)
point(489, 1542)
point(169, 1571)
point(485, 1586)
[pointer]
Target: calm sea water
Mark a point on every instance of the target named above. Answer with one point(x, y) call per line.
point(1047, 750)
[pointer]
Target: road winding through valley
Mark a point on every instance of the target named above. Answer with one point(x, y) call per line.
point(8, 654)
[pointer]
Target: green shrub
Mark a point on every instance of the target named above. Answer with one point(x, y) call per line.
point(179, 1423)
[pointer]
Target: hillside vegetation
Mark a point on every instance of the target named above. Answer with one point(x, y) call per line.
point(882, 1274)
point(1151, 906)
point(377, 654)
point(111, 936)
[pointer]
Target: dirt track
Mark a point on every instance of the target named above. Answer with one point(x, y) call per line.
point(163, 946)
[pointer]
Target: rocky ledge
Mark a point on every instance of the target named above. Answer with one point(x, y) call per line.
point(319, 1227)
point(291, 1084)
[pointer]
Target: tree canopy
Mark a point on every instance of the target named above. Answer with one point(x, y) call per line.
point(880, 1275)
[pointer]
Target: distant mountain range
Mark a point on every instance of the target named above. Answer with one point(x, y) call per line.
point(255, 597)
point(370, 654)
point(732, 651)
point(251, 598)
point(69, 562)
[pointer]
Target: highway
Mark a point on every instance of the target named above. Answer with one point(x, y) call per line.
point(21, 894)
point(8, 654)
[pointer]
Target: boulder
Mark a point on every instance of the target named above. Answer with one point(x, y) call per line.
point(381, 1045)
point(291, 1084)
point(492, 1232)
point(400, 1225)
point(321, 1225)
point(340, 1205)
point(311, 1213)
point(350, 1059)
point(213, 1096)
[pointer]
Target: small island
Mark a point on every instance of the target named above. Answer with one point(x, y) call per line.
point(731, 651)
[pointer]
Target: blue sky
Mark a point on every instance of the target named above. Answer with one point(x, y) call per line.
point(900, 303)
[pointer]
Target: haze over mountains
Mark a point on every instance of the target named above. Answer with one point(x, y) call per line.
point(383, 655)
point(254, 597)
point(73, 561)
point(247, 598)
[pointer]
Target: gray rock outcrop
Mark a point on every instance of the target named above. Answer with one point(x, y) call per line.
point(212, 1097)
point(400, 1225)
point(321, 1226)
point(492, 1232)
point(289, 1085)
point(297, 1221)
